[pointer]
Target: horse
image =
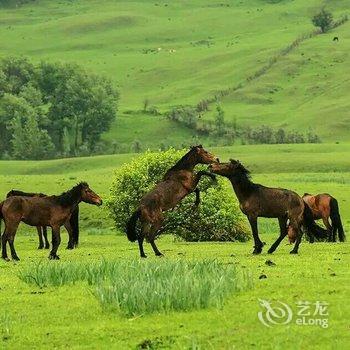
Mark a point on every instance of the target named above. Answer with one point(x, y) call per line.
point(42, 230)
point(335, 38)
point(325, 207)
point(53, 211)
point(256, 201)
point(179, 181)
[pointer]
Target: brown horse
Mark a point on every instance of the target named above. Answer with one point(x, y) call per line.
point(259, 201)
point(42, 230)
point(325, 207)
point(177, 183)
point(53, 211)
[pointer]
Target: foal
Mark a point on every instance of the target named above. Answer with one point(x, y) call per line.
point(53, 211)
point(178, 182)
point(325, 207)
point(42, 230)
point(259, 201)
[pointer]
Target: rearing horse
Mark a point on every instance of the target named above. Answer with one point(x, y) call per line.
point(53, 211)
point(177, 183)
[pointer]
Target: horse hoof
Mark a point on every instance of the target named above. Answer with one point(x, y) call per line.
point(70, 247)
point(293, 252)
point(6, 259)
point(270, 251)
point(143, 256)
point(47, 247)
point(160, 255)
point(40, 247)
point(256, 252)
point(54, 257)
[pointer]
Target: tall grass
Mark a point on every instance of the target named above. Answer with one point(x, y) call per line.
point(134, 287)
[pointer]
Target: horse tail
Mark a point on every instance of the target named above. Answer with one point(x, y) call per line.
point(311, 227)
point(131, 226)
point(74, 222)
point(336, 220)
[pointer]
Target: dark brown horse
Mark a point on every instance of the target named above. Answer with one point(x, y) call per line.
point(42, 230)
point(53, 211)
point(178, 182)
point(259, 201)
point(325, 207)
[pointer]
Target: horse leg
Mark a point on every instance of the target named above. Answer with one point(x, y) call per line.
point(154, 229)
point(69, 229)
point(3, 246)
point(11, 241)
point(296, 246)
point(198, 198)
point(257, 242)
point(56, 240)
point(47, 244)
point(41, 243)
point(9, 236)
point(330, 229)
point(283, 233)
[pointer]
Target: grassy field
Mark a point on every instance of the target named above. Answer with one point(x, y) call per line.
point(73, 316)
point(181, 52)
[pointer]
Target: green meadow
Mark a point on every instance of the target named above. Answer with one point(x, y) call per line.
point(173, 53)
point(60, 309)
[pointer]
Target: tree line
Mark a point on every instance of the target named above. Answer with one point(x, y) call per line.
point(229, 132)
point(52, 109)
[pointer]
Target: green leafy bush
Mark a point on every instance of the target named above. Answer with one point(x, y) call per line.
point(218, 217)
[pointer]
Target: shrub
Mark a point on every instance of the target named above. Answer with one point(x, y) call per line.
point(218, 217)
point(324, 20)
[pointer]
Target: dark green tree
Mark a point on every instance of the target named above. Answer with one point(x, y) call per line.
point(323, 20)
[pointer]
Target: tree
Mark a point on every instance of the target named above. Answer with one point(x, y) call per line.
point(28, 141)
point(70, 105)
point(324, 20)
point(220, 120)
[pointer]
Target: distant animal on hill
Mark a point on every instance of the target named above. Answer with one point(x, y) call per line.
point(335, 38)
point(325, 207)
point(259, 201)
point(177, 183)
point(53, 211)
point(42, 230)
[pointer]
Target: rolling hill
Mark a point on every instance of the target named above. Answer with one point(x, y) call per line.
point(181, 52)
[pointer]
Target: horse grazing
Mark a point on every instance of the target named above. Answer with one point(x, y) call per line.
point(42, 230)
point(53, 211)
point(259, 201)
point(177, 183)
point(325, 207)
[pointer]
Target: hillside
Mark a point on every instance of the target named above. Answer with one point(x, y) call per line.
point(181, 52)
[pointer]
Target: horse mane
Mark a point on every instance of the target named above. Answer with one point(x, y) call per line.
point(183, 161)
point(68, 198)
point(242, 176)
point(24, 194)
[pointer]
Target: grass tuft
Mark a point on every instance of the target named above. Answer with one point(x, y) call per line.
point(141, 287)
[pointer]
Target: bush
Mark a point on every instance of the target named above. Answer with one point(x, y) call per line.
point(324, 20)
point(218, 217)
